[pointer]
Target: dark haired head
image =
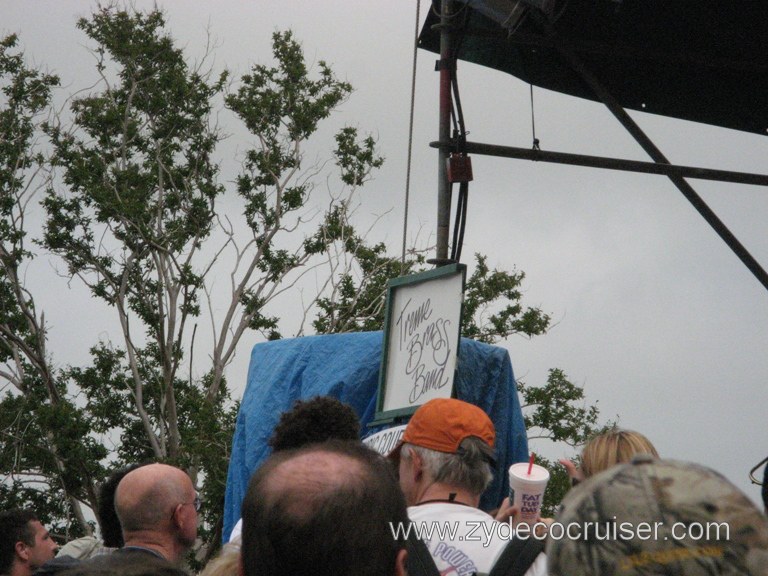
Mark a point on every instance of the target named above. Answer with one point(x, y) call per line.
point(316, 420)
point(325, 509)
point(15, 526)
point(111, 531)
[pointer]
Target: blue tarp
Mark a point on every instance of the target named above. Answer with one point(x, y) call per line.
point(346, 366)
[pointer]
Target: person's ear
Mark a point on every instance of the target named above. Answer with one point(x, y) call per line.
point(176, 517)
point(22, 550)
point(418, 465)
point(400, 563)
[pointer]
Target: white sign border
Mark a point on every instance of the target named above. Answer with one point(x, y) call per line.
point(385, 383)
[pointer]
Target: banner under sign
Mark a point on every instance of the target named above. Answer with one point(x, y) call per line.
point(386, 440)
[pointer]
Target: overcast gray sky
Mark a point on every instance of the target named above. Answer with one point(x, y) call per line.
point(655, 317)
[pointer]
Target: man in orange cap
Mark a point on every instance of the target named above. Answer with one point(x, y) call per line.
point(445, 461)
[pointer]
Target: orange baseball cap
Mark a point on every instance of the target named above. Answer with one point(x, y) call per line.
point(442, 424)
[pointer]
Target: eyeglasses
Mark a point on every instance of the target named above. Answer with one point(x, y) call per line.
point(752, 472)
point(197, 503)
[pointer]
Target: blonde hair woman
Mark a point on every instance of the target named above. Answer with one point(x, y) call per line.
point(226, 562)
point(616, 446)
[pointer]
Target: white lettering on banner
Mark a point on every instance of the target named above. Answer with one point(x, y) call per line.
point(385, 440)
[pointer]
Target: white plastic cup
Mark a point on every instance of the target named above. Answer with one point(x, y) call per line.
point(526, 491)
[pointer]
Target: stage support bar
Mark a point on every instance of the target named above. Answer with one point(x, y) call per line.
point(656, 155)
point(675, 173)
point(608, 163)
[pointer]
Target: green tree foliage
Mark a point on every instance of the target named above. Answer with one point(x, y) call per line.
point(358, 299)
point(46, 457)
point(25, 95)
point(485, 289)
point(135, 210)
point(358, 296)
point(137, 200)
point(558, 412)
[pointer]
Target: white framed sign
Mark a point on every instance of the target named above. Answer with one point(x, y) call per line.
point(421, 340)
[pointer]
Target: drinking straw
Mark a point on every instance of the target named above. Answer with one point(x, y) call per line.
point(530, 462)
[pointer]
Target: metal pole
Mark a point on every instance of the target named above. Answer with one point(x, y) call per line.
point(443, 186)
point(608, 163)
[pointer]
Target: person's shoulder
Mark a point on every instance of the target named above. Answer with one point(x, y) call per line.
point(516, 550)
point(539, 566)
point(81, 548)
point(137, 554)
point(126, 562)
point(57, 565)
point(447, 511)
point(237, 531)
point(127, 555)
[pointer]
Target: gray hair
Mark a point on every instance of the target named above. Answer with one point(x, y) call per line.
point(469, 468)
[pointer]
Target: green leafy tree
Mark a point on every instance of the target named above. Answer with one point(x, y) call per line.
point(558, 412)
point(129, 214)
point(487, 290)
point(135, 211)
point(492, 309)
point(43, 461)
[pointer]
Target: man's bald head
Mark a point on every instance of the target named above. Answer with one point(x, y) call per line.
point(304, 482)
point(324, 509)
point(157, 507)
point(146, 497)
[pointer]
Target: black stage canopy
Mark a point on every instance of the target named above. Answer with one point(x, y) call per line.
point(703, 61)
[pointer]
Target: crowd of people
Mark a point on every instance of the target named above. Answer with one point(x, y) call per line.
point(324, 503)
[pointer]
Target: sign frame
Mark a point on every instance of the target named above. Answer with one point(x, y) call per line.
point(398, 288)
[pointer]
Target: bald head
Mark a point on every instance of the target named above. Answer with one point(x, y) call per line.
point(304, 483)
point(157, 508)
point(147, 496)
point(324, 509)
